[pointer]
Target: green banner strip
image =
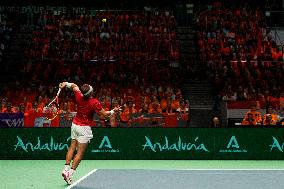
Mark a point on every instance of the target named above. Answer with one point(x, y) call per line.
point(147, 143)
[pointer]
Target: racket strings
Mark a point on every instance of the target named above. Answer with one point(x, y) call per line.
point(52, 110)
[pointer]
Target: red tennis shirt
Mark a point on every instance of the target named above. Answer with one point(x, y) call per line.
point(86, 108)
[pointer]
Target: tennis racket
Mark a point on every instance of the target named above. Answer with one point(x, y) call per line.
point(51, 111)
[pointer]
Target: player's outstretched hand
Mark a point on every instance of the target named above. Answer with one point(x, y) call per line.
point(117, 109)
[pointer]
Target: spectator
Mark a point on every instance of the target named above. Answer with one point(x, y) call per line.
point(252, 117)
point(215, 123)
point(183, 111)
point(128, 111)
point(144, 109)
point(114, 119)
point(169, 108)
point(9, 108)
point(270, 118)
point(36, 109)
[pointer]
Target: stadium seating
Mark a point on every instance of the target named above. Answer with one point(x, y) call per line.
point(120, 53)
point(236, 46)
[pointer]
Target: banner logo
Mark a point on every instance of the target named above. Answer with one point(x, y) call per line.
point(50, 146)
point(105, 146)
point(233, 146)
point(276, 145)
point(11, 120)
point(175, 145)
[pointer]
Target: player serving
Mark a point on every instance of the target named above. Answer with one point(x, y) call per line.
point(81, 132)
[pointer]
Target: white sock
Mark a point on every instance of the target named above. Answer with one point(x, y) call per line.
point(72, 171)
point(67, 167)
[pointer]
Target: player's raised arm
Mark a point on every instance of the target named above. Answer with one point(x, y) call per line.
point(71, 86)
point(106, 114)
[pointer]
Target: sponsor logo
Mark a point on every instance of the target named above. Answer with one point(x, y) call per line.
point(174, 145)
point(233, 147)
point(276, 145)
point(105, 146)
point(13, 122)
point(50, 146)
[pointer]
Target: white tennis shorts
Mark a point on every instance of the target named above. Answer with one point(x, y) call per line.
point(83, 134)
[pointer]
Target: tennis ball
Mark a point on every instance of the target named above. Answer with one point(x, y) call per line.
point(104, 20)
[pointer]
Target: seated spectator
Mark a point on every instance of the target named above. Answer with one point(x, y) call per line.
point(144, 109)
point(270, 118)
point(241, 94)
point(183, 111)
point(127, 111)
point(22, 108)
point(155, 108)
point(114, 118)
point(252, 117)
point(155, 102)
point(169, 108)
point(36, 109)
point(9, 108)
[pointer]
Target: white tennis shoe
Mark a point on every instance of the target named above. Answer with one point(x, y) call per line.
point(66, 176)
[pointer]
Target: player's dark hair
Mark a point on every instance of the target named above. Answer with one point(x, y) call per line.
point(84, 89)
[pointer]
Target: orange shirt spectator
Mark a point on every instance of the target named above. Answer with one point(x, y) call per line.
point(163, 103)
point(35, 109)
point(128, 110)
point(9, 108)
point(270, 118)
point(175, 104)
point(169, 109)
point(155, 108)
point(252, 117)
point(154, 102)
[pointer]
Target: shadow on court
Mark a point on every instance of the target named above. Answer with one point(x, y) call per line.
point(181, 179)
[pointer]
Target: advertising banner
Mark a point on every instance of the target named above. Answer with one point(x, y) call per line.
point(147, 143)
point(11, 120)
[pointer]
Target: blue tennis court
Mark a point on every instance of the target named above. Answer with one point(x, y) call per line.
point(180, 179)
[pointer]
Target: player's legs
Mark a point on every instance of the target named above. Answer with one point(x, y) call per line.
point(71, 150)
point(81, 136)
point(69, 155)
point(81, 148)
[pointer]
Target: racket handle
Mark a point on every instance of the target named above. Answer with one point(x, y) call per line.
point(58, 92)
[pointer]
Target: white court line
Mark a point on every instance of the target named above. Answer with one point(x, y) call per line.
point(75, 183)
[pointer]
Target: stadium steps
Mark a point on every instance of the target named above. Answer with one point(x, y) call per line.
point(199, 94)
point(201, 101)
point(198, 90)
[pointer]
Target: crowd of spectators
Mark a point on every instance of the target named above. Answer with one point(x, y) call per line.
point(107, 35)
point(125, 56)
point(243, 60)
point(270, 118)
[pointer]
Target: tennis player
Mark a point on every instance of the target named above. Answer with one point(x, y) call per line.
point(81, 132)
